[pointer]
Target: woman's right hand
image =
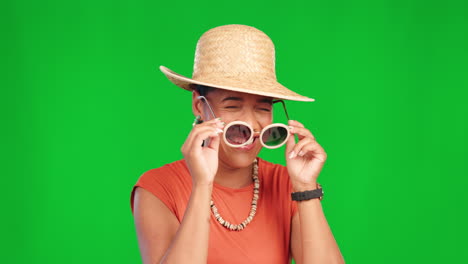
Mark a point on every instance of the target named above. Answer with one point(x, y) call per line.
point(203, 161)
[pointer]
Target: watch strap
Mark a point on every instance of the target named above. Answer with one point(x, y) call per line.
point(307, 195)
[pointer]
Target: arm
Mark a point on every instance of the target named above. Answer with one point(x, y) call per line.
point(311, 238)
point(190, 244)
point(161, 239)
point(155, 225)
point(160, 236)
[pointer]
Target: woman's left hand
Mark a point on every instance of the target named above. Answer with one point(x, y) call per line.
point(304, 159)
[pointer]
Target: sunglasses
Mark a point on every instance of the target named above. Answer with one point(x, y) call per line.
point(237, 134)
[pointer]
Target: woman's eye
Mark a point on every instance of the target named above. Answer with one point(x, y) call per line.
point(265, 109)
point(232, 106)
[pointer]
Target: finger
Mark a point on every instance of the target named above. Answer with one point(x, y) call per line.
point(296, 151)
point(196, 137)
point(215, 123)
point(210, 122)
point(197, 143)
point(314, 149)
point(290, 143)
point(301, 132)
point(214, 144)
point(204, 133)
point(295, 123)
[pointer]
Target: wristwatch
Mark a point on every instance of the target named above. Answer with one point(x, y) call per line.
point(307, 195)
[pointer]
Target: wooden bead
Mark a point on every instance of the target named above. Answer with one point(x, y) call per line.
point(254, 204)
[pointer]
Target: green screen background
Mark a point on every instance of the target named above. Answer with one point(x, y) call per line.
point(85, 111)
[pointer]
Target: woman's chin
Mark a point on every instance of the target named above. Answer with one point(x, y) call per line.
point(238, 157)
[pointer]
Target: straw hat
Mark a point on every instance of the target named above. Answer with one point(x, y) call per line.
point(238, 58)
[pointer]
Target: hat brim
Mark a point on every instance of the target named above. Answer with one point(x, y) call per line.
point(274, 90)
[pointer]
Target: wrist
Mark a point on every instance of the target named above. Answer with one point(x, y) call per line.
point(203, 185)
point(307, 192)
point(301, 187)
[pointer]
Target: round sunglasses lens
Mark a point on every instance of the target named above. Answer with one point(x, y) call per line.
point(238, 134)
point(274, 136)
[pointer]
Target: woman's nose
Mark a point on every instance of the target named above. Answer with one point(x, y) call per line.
point(251, 117)
point(257, 129)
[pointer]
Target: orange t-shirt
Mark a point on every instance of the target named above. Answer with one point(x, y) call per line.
point(265, 240)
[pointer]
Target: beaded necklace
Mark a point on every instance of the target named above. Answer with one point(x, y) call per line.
point(253, 209)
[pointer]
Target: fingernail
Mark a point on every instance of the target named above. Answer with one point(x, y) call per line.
point(292, 154)
point(219, 130)
point(291, 128)
point(301, 153)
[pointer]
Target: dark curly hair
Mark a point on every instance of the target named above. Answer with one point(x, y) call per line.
point(202, 89)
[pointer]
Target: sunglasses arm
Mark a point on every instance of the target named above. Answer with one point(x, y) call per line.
point(284, 107)
point(209, 106)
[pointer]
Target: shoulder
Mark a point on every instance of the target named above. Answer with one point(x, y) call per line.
point(170, 183)
point(169, 178)
point(167, 172)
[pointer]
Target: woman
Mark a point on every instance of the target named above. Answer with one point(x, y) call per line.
point(221, 203)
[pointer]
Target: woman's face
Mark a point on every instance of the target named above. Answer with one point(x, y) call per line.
point(231, 106)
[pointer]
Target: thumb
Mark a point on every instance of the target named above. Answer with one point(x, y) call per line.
point(290, 144)
point(215, 142)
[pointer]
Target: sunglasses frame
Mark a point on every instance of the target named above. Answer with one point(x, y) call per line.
point(252, 132)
